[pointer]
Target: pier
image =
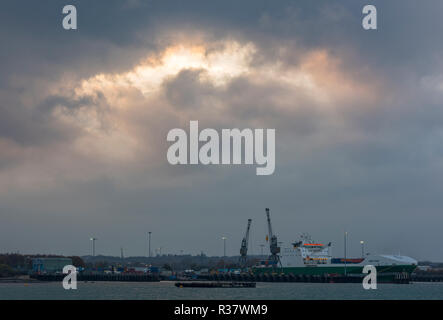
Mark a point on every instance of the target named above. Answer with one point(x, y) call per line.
point(398, 278)
point(216, 284)
point(100, 277)
point(427, 277)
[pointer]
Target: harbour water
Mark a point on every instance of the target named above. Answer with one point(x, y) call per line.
point(267, 291)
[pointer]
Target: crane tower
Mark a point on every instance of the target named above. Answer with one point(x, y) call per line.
point(244, 246)
point(274, 258)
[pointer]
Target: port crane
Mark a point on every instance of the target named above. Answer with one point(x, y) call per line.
point(274, 258)
point(244, 246)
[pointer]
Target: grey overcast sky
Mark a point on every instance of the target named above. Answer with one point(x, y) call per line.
point(84, 116)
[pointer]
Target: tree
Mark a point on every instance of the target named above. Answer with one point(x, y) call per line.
point(78, 262)
point(167, 267)
point(6, 271)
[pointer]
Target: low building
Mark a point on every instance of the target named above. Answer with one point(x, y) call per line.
point(424, 268)
point(50, 265)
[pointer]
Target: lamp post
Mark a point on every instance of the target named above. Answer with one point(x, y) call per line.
point(346, 239)
point(149, 244)
point(362, 249)
point(224, 253)
point(93, 245)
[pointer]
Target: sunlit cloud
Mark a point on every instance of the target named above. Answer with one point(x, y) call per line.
point(116, 126)
point(230, 61)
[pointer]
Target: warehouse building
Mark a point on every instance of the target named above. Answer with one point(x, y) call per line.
point(50, 265)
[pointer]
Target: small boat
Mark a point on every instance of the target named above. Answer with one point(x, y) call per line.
point(216, 284)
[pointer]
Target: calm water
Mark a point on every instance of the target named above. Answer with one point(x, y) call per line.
point(167, 290)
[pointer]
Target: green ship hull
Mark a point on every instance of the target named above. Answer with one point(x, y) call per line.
point(341, 270)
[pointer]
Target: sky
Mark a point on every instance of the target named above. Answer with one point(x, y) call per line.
point(84, 116)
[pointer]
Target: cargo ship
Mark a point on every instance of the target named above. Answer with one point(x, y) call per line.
point(307, 257)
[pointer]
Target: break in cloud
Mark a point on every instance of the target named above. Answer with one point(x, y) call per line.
point(84, 118)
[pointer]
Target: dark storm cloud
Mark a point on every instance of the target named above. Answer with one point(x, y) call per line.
point(363, 160)
point(36, 124)
point(410, 32)
point(185, 90)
